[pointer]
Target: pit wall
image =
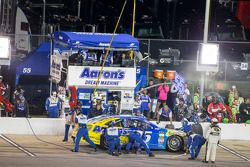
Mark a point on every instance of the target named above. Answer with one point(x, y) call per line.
point(46, 126)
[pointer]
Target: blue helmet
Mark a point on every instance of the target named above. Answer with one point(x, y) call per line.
point(185, 122)
point(195, 119)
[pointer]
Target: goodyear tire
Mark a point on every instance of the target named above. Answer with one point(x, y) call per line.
point(197, 129)
point(103, 142)
point(174, 143)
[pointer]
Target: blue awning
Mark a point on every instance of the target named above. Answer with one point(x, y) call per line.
point(37, 62)
point(95, 40)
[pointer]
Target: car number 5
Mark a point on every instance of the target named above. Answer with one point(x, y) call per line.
point(147, 136)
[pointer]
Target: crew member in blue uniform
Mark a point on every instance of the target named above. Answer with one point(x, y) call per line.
point(186, 126)
point(136, 137)
point(53, 106)
point(21, 107)
point(91, 57)
point(165, 112)
point(109, 59)
point(195, 142)
point(112, 135)
point(82, 130)
point(145, 103)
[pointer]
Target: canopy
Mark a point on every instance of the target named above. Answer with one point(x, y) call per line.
point(95, 40)
point(37, 62)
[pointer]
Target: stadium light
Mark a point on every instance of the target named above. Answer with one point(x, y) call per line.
point(4, 51)
point(4, 48)
point(208, 57)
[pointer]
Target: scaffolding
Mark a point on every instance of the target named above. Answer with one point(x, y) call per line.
point(7, 10)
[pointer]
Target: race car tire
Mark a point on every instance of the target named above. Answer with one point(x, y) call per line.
point(174, 143)
point(103, 142)
point(197, 129)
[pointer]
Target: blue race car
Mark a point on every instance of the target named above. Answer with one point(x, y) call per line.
point(157, 138)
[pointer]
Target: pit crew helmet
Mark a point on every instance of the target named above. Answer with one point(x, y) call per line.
point(214, 121)
point(184, 121)
point(214, 100)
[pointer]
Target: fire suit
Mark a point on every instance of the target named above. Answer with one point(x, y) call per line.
point(2, 89)
point(213, 136)
point(8, 106)
point(91, 56)
point(186, 127)
point(70, 119)
point(109, 59)
point(82, 132)
point(145, 105)
point(195, 142)
point(136, 137)
point(53, 106)
point(214, 110)
point(112, 135)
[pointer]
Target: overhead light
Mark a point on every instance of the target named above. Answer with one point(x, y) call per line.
point(208, 57)
point(4, 48)
point(209, 54)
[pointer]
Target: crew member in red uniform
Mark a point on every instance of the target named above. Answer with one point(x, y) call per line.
point(2, 86)
point(3, 100)
point(216, 109)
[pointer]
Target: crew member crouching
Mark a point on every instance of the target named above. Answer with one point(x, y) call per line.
point(112, 135)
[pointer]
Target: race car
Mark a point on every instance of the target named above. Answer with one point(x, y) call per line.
point(157, 138)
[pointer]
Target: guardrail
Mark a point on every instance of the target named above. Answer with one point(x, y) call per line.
point(50, 126)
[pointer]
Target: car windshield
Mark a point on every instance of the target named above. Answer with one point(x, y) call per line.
point(137, 123)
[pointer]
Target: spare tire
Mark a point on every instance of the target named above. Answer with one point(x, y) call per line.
point(197, 129)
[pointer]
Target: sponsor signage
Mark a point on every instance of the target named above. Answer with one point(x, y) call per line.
point(111, 77)
point(56, 68)
point(127, 100)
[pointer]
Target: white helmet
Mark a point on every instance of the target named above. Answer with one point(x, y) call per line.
point(1, 77)
point(214, 121)
point(54, 93)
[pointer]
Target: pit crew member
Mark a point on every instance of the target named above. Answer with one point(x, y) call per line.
point(136, 137)
point(145, 103)
point(82, 130)
point(53, 105)
point(165, 112)
point(69, 120)
point(112, 135)
point(213, 137)
point(195, 142)
point(186, 126)
point(215, 109)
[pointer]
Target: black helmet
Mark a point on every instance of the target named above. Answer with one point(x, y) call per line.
point(214, 99)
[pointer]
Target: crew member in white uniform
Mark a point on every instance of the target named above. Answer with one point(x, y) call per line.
point(213, 137)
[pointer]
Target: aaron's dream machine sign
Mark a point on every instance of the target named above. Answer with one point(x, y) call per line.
point(111, 77)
